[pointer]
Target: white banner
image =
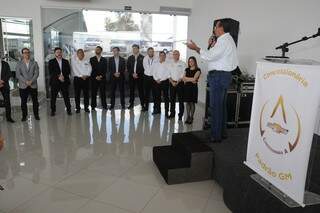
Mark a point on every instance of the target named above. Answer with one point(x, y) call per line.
point(284, 111)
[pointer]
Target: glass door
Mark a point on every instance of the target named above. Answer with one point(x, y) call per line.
point(15, 34)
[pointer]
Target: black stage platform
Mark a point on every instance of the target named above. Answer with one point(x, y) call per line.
point(241, 193)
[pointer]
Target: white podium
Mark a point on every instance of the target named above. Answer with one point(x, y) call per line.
point(284, 111)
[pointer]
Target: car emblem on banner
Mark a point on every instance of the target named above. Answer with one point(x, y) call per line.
point(280, 126)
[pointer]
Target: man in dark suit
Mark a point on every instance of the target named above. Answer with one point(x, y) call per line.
point(5, 73)
point(117, 67)
point(136, 72)
point(98, 78)
point(59, 69)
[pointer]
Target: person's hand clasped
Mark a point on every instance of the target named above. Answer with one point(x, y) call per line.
point(61, 78)
point(135, 75)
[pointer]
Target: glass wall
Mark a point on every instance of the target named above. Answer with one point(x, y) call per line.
point(15, 34)
point(86, 29)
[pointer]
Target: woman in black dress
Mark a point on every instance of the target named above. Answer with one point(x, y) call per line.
point(190, 79)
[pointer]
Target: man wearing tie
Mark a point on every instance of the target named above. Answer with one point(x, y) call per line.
point(161, 75)
point(136, 72)
point(59, 69)
point(148, 63)
point(117, 67)
point(5, 75)
point(27, 72)
point(98, 78)
point(81, 70)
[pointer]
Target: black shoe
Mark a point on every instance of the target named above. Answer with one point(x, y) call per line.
point(24, 118)
point(155, 113)
point(130, 106)
point(187, 121)
point(224, 135)
point(86, 110)
point(93, 109)
point(105, 108)
point(10, 120)
point(167, 115)
point(69, 112)
point(53, 113)
point(213, 140)
point(144, 109)
point(180, 118)
point(123, 107)
point(37, 117)
point(172, 115)
point(111, 108)
point(77, 111)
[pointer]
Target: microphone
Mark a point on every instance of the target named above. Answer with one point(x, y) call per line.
point(212, 38)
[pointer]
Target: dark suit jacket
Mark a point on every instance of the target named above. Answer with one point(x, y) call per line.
point(99, 68)
point(112, 67)
point(54, 71)
point(139, 69)
point(5, 74)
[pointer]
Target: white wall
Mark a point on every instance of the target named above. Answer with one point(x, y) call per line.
point(32, 9)
point(264, 25)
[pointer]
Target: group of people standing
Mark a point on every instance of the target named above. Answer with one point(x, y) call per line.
point(152, 76)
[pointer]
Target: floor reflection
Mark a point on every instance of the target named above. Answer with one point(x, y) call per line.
point(56, 147)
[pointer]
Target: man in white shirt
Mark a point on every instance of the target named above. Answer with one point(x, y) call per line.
point(177, 69)
point(148, 63)
point(222, 59)
point(81, 71)
point(161, 75)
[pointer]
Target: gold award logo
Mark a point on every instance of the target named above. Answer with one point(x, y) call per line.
point(280, 126)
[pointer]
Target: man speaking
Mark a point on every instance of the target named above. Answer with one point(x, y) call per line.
point(222, 59)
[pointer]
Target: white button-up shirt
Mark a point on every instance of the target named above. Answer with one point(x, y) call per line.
point(80, 68)
point(161, 71)
point(148, 64)
point(177, 70)
point(60, 63)
point(135, 63)
point(116, 61)
point(27, 64)
point(223, 56)
point(0, 68)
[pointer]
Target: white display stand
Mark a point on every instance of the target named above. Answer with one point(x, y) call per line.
point(284, 115)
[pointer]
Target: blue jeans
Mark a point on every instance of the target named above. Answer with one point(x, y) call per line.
point(219, 82)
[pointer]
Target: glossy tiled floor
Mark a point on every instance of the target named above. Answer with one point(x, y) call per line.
point(96, 162)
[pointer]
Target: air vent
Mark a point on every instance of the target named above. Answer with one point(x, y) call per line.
point(71, 0)
point(175, 11)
